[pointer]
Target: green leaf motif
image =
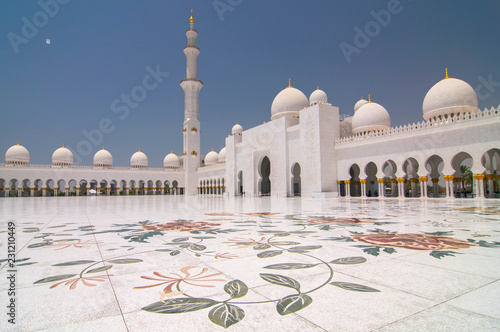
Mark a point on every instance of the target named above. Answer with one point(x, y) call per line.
point(389, 250)
point(293, 303)
point(197, 247)
point(181, 239)
point(439, 254)
point(81, 262)
point(261, 246)
point(40, 244)
point(236, 289)
point(54, 278)
point(353, 287)
point(125, 261)
point(301, 248)
point(289, 266)
point(177, 306)
point(270, 253)
point(278, 279)
point(226, 315)
point(100, 269)
point(31, 230)
point(175, 253)
point(349, 260)
point(164, 250)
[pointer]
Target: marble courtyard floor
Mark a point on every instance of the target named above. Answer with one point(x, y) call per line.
point(174, 263)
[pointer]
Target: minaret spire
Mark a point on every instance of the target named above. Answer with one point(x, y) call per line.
point(191, 131)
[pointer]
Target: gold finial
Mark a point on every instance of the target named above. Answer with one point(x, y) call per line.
point(191, 19)
point(212, 149)
point(171, 151)
point(369, 98)
point(103, 147)
point(17, 142)
point(317, 87)
point(139, 149)
point(289, 82)
point(63, 145)
point(447, 73)
point(361, 98)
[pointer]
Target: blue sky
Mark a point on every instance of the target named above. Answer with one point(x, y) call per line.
point(51, 93)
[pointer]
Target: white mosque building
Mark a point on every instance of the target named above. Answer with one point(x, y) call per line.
point(306, 149)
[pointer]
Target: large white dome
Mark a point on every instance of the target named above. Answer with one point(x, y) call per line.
point(360, 103)
point(370, 117)
point(103, 158)
point(62, 157)
point(449, 96)
point(211, 158)
point(222, 155)
point(288, 103)
point(171, 161)
point(318, 97)
point(139, 160)
point(17, 154)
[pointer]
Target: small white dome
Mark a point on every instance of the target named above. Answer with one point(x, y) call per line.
point(318, 97)
point(288, 103)
point(222, 155)
point(211, 158)
point(17, 154)
point(103, 158)
point(449, 96)
point(139, 160)
point(171, 161)
point(370, 117)
point(62, 157)
point(360, 103)
point(237, 129)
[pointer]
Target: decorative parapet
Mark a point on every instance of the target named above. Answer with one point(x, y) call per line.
point(76, 167)
point(431, 123)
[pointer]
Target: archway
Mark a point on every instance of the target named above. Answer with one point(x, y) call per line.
point(72, 187)
point(265, 181)
point(462, 164)
point(491, 162)
point(296, 180)
point(371, 179)
point(240, 183)
point(390, 180)
point(355, 187)
point(174, 187)
point(434, 165)
point(410, 167)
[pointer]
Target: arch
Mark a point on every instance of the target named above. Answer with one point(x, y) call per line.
point(491, 163)
point(462, 163)
point(2, 188)
point(72, 187)
point(50, 187)
point(435, 166)
point(389, 168)
point(240, 183)
point(355, 186)
point(61, 188)
point(113, 187)
point(167, 187)
point(141, 186)
point(83, 187)
point(132, 186)
point(223, 186)
point(265, 172)
point(26, 184)
point(371, 179)
point(296, 180)
point(175, 184)
point(410, 168)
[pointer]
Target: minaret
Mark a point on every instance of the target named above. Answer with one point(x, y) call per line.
point(191, 131)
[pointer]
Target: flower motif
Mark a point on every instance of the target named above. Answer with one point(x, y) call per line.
point(225, 255)
point(176, 280)
point(85, 281)
point(180, 226)
point(413, 241)
point(338, 221)
point(63, 244)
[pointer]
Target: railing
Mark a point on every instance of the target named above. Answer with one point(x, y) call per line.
point(431, 123)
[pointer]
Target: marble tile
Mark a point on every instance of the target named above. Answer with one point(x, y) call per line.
point(484, 300)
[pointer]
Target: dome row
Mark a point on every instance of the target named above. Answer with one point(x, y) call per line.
point(19, 155)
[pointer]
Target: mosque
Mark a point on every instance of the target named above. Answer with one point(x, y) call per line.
point(307, 149)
